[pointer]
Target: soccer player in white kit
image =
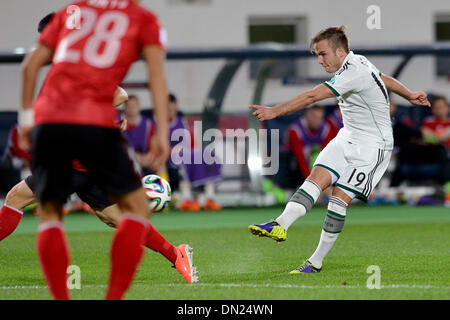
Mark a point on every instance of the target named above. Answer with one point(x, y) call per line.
point(356, 159)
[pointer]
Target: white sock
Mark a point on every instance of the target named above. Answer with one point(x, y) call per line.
point(326, 242)
point(295, 210)
point(292, 212)
point(327, 239)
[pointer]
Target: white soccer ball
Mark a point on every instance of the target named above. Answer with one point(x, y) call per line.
point(157, 191)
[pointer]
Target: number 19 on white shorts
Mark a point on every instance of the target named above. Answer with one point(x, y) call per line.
point(358, 168)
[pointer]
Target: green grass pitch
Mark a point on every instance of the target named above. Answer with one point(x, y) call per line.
point(409, 244)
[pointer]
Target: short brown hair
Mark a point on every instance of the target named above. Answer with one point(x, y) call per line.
point(336, 38)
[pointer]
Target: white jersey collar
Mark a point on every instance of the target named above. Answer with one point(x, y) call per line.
point(348, 57)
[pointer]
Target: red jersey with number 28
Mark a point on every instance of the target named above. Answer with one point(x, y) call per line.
point(94, 44)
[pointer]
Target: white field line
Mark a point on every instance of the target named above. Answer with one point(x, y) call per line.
point(246, 285)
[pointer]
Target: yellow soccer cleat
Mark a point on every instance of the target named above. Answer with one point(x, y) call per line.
point(270, 229)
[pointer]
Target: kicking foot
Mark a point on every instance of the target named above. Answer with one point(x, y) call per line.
point(270, 229)
point(185, 263)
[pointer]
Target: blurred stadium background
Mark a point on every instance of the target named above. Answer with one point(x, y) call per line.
point(258, 52)
point(224, 55)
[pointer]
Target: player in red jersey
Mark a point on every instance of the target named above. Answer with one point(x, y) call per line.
point(88, 42)
point(22, 194)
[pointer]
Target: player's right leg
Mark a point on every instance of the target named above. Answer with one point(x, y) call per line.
point(52, 166)
point(16, 200)
point(298, 205)
point(301, 202)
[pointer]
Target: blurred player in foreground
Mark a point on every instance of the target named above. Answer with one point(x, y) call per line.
point(75, 112)
point(22, 194)
point(355, 160)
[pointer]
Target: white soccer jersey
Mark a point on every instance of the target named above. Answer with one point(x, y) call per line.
point(364, 103)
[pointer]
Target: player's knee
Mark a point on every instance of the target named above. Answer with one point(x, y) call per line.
point(19, 196)
point(343, 194)
point(335, 218)
point(109, 215)
point(106, 219)
point(322, 177)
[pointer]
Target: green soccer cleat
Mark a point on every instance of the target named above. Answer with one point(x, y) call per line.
point(270, 229)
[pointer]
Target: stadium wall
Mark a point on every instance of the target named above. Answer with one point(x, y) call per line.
point(221, 23)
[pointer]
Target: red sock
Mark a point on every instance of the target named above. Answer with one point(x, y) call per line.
point(155, 241)
point(54, 257)
point(126, 253)
point(9, 220)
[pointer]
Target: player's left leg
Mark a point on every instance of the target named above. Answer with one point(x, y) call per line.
point(181, 256)
point(332, 227)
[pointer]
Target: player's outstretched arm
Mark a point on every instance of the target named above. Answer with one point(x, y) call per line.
point(31, 65)
point(154, 57)
point(418, 98)
point(304, 99)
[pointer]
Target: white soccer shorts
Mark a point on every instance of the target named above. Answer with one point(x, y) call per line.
point(358, 168)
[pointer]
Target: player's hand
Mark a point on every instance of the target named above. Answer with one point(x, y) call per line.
point(159, 151)
point(123, 125)
point(263, 113)
point(419, 98)
point(145, 161)
point(25, 137)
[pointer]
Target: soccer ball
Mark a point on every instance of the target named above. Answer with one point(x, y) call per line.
point(157, 191)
